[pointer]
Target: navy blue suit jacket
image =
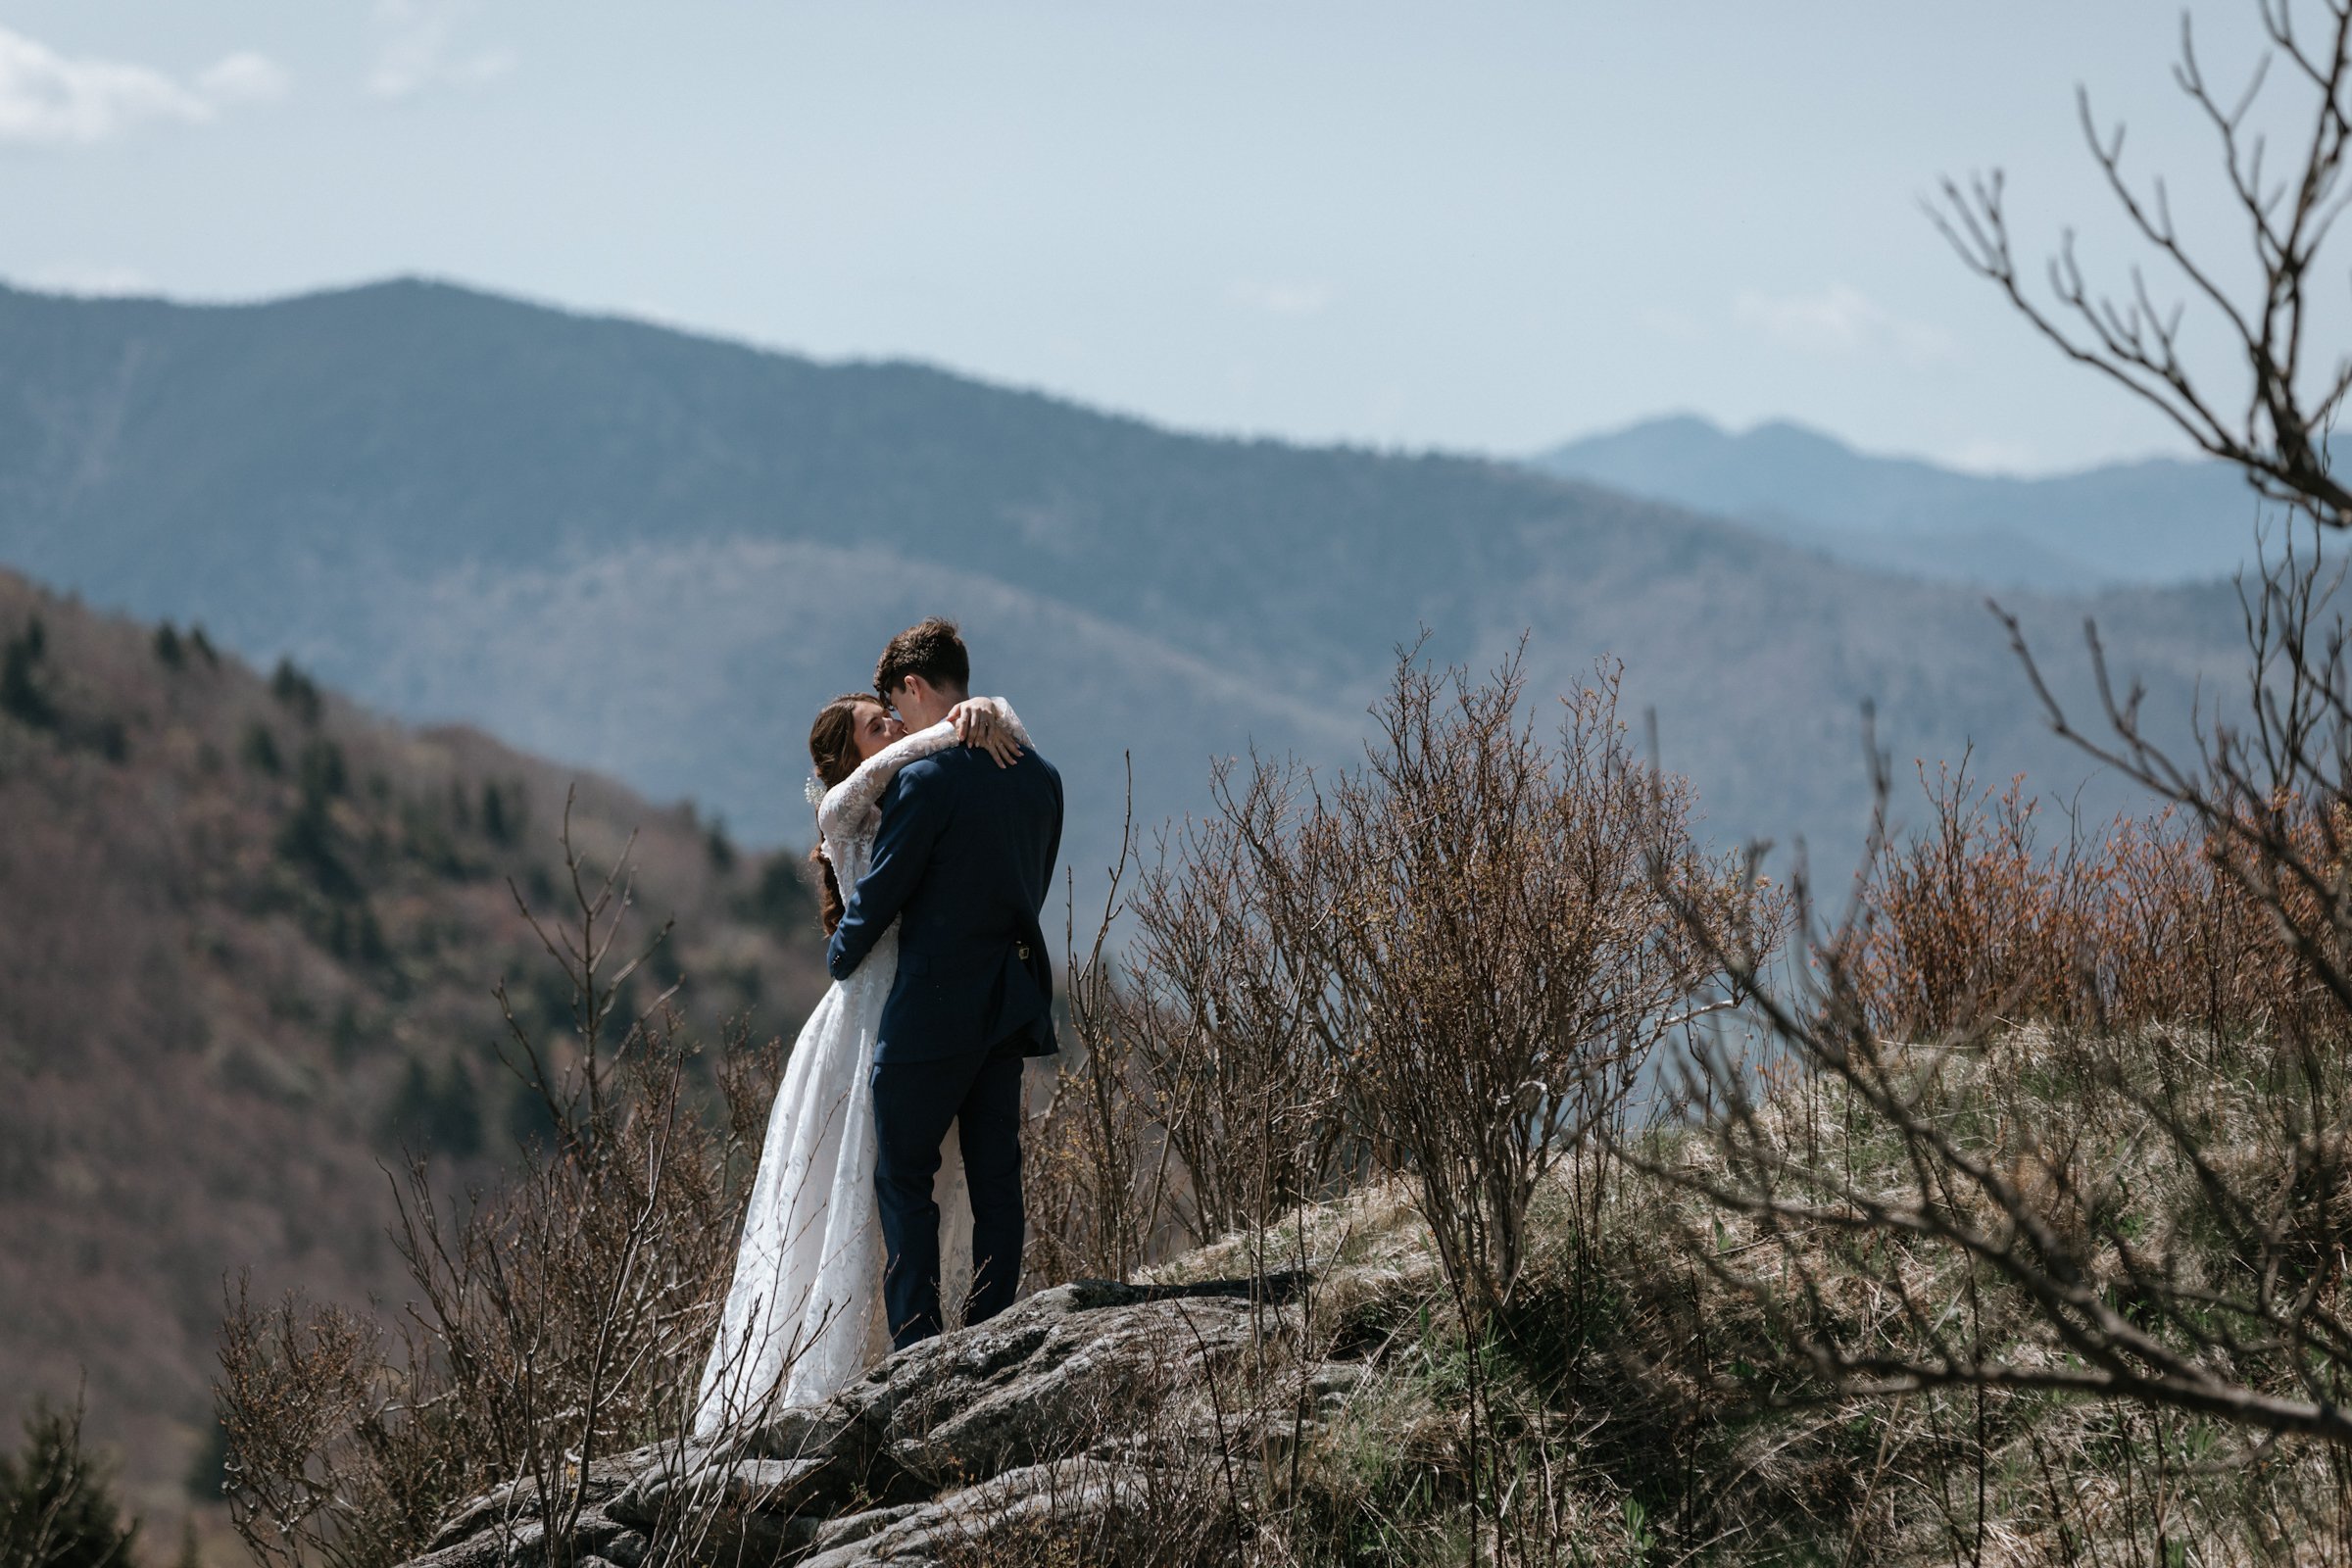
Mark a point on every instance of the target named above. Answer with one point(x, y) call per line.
point(963, 861)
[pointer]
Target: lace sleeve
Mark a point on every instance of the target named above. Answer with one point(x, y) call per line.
point(847, 802)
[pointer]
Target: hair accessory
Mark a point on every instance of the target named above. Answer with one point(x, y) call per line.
point(816, 791)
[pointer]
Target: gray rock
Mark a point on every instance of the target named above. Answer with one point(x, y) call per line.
point(489, 1547)
point(1080, 1499)
point(857, 1526)
point(784, 1486)
point(1048, 1417)
point(606, 1478)
point(1044, 1380)
point(758, 1537)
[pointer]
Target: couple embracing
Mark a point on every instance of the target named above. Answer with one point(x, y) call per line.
point(941, 824)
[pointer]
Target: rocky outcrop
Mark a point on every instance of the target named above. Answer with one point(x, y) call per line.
point(1082, 1407)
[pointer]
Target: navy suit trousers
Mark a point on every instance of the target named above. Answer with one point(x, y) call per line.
point(914, 1104)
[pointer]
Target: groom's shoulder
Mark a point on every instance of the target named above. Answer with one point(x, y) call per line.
point(920, 778)
point(922, 771)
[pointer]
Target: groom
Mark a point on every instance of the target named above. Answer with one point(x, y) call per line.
point(963, 862)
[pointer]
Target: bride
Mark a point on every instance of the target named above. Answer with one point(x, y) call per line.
point(803, 1316)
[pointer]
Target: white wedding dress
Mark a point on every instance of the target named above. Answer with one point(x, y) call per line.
point(803, 1317)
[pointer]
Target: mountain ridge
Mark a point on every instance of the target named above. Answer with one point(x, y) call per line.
point(657, 554)
point(2151, 522)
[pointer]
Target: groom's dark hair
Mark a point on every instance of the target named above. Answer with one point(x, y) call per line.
point(932, 650)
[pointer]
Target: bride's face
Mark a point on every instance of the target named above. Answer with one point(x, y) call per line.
point(877, 727)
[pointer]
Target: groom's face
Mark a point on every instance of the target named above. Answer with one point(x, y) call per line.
point(920, 703)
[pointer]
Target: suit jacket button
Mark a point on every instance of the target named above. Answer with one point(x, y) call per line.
point(1020, 951)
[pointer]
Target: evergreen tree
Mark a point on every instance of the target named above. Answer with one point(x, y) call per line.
point(529, 1122)
point(322, 771)
point(502, 812)
point(290, 686)
point(438, 1112)
point(457, 1117)
point(57, 1505)
point(260, 750)
point(168, 647)
point(781, 899)
point(412, 1105)
point(306, 839)
point(21, 694)
point(344, 1037)
point(208, 1472)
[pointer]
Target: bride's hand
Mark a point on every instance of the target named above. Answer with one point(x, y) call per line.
point(976, 724)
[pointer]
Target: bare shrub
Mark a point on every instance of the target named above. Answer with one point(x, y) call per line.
point(1089, 1179)
point(1221, 1014)
point(1095, 1192)
point(1499, 963)
point(2145, 1213)
point(1451, 964)
point(2154, 1218)
point(329, 1458)
point(2147, 923)
point(2271, 424)
point(1973, 914)
point(558, 1323)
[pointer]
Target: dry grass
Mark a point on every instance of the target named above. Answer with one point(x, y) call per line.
point(2021, 1475)
point(1984, 914)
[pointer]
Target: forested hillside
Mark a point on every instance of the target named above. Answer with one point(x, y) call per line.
point(249, 934)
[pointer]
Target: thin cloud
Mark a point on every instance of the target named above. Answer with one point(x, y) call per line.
point(1840, 321)
point(49, 99)
point(420, 52)
point(244, 77)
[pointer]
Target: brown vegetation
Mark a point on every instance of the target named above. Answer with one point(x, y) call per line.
point(2013, 1226)
point(2143, 923)
point(2012, 1289)
point(251, 936)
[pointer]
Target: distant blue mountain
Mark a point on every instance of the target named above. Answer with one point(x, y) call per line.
point(2158, 523)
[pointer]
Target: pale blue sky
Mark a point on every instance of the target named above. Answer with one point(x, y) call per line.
point(1486, 226)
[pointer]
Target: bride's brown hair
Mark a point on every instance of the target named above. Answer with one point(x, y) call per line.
point(833, 749)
